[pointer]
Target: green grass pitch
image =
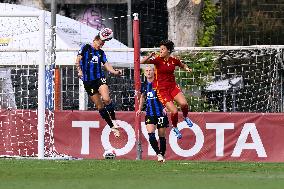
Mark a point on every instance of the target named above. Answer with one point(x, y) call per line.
point(123, 174)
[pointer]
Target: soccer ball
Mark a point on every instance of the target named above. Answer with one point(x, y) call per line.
point(109, 154)
point(106, 34)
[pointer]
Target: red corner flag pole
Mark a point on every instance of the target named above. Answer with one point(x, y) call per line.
point(136, 40)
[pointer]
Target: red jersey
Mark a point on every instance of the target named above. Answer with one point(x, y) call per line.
point(164, 71)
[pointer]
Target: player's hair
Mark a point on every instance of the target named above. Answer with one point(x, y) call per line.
point(169, 44)
point(97, 37)
point(149, 66)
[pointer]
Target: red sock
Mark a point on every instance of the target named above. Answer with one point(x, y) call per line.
point(184, 110)
point(174, 118)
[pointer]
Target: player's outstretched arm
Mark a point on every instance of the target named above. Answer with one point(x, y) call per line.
point(185, 67)
point(77, 63)
point(146, 59)
point(110, 69)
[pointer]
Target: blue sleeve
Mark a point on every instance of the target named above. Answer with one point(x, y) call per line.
point(143, 89)
point(83, 50)
point(103, 58)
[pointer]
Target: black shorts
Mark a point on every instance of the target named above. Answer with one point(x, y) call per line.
point(160, 121)
point(92, 87)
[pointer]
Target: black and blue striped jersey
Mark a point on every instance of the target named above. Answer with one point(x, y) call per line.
point(153, 106)
point(91, 62)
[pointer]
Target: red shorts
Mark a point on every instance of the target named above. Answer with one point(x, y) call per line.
point(167, 94)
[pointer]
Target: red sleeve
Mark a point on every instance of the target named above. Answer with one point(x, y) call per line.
point(153, 60)
point(177, 62)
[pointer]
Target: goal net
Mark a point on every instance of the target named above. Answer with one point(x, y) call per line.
point(26, 127)
point(224, 79)
point(231, 78)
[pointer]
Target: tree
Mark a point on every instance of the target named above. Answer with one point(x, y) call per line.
point(183, 21)
point(32, 3)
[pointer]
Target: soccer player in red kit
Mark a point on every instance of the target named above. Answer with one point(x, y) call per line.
point(165, 84)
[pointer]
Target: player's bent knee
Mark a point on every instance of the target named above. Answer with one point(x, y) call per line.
point(107, 101)
point(174, 111)
point(100, 108)
point(183, 105)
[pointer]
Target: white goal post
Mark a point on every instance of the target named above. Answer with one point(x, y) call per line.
point(41, 73)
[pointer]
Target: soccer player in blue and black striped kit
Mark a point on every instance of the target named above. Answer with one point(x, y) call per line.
point(155, 115)
point(89, 63)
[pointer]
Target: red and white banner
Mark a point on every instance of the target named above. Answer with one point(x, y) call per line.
point(214, 136)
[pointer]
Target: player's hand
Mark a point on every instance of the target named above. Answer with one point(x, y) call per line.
point(118, 72)
point(80, 74)
point(188, 70)
point(165, 111)
point(152, 54)
point(138, 112)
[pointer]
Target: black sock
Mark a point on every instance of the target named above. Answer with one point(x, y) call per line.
point(163, 145)
point(105, 115)
point(110, 109)
point(153, 142)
